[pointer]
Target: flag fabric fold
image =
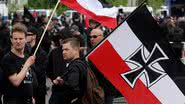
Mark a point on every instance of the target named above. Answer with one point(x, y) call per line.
point(94, 9)
point(138, 60)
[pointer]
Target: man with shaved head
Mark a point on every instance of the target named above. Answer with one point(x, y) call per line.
point(96, 36)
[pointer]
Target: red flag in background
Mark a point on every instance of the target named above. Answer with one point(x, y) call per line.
point(94, 9)
point(86, 22)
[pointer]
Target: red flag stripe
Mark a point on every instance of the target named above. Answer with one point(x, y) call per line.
point(105, 20)
point(112, 70)
point(86, 22)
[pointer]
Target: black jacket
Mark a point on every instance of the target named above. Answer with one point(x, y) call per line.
point(73, 85)
point(56, 66)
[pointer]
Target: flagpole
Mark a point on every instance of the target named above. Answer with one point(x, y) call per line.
point(42, 36)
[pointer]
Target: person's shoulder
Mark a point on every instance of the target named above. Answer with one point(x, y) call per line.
point(41, 52)
point(77, 63)
point(81, 65)
point(56, 50)
point(8, 55)
point(8, 59)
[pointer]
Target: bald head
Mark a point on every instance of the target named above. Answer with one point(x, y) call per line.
point(96, 36)
point(97, 31)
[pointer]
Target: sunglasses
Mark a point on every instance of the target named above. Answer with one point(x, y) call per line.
point(30, 34)
point(94, 36)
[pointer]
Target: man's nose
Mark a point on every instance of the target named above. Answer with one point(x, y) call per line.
point(18, 40)
point(91, 38)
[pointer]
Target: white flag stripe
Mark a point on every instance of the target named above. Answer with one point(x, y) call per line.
point(124, 37)
point(125, 43)
point(96, 7)
point(167, 92)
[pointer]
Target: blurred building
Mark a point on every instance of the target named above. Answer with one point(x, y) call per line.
point(3, 9)
point(3, 1)
point(177, 7)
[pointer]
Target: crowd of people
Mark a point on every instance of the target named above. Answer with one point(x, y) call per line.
point(23, 76)
point(174, 28)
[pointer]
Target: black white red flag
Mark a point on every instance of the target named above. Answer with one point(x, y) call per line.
point(138, 60)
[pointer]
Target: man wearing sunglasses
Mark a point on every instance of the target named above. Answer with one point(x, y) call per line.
point(96, 36)
point(40, 65)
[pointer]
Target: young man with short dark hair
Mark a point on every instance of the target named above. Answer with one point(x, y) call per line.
point(70, 81)
point(18, 86)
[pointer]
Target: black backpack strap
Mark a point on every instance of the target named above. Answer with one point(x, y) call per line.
point(83, 75)
point(76, 60)
point(82, 64)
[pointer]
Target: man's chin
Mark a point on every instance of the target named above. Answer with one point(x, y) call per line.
point(67, 60)
point(19, 49)
point(94, 45)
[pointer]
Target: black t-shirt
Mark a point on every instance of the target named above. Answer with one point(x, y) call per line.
point(13, 64)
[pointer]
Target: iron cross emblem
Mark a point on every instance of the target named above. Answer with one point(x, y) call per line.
point(141, 62)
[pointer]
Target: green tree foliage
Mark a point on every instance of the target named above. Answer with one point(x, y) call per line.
point(155, 4)
point(49, 4)
point(37, 4)
point(118, 2)
point(12, 8)
point(46, 4)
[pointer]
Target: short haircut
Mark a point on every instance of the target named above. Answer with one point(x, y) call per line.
point(75, 43)
point(18, 27)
